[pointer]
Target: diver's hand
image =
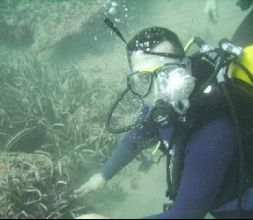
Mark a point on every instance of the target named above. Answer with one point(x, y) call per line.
point(95, 182)
point(92, 216)
point(211, 9)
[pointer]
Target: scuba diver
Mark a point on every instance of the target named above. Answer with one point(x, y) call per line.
point(243, 35)
point(188, 110)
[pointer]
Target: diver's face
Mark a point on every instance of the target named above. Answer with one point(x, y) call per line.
point(142, 62)
point(172, 80)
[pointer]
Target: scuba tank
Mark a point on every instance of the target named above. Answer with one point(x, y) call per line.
point(234, 73)
point(240, 85)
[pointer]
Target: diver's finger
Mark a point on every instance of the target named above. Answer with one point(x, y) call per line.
point(82, 192)
point(73, 197)
point(79, 191)
point(86, 190)
point(78, 195)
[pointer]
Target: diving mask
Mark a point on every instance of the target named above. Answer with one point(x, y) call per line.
point(171, 82)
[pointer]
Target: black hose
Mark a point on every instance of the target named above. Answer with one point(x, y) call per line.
point(211, 79)
point(109, 117)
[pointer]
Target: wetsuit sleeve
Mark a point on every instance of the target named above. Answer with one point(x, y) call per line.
point(128, 148)
point(209, 153)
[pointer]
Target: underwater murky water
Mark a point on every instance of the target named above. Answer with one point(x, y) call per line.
point(60, 69)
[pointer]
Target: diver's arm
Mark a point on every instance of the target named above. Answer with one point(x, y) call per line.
point(208, 156)
point(127, 149)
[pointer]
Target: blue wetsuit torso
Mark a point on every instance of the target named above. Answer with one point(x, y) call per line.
point(208, 155)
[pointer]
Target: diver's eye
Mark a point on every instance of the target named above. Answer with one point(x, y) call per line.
point(140, 83)
point(145, 78)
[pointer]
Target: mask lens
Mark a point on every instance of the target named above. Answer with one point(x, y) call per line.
point(164, 77)
point(140, 83)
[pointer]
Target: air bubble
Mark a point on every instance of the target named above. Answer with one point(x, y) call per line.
point(114, 4)
point(146, 44)
point(112, 11)
point(117, 20)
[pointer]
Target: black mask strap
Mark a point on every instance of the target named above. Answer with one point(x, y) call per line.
point(112, 26)
point(170, 55)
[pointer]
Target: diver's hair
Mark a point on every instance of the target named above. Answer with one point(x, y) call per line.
point(149, 38)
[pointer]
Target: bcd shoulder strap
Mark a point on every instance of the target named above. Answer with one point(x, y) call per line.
point(206, 108)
